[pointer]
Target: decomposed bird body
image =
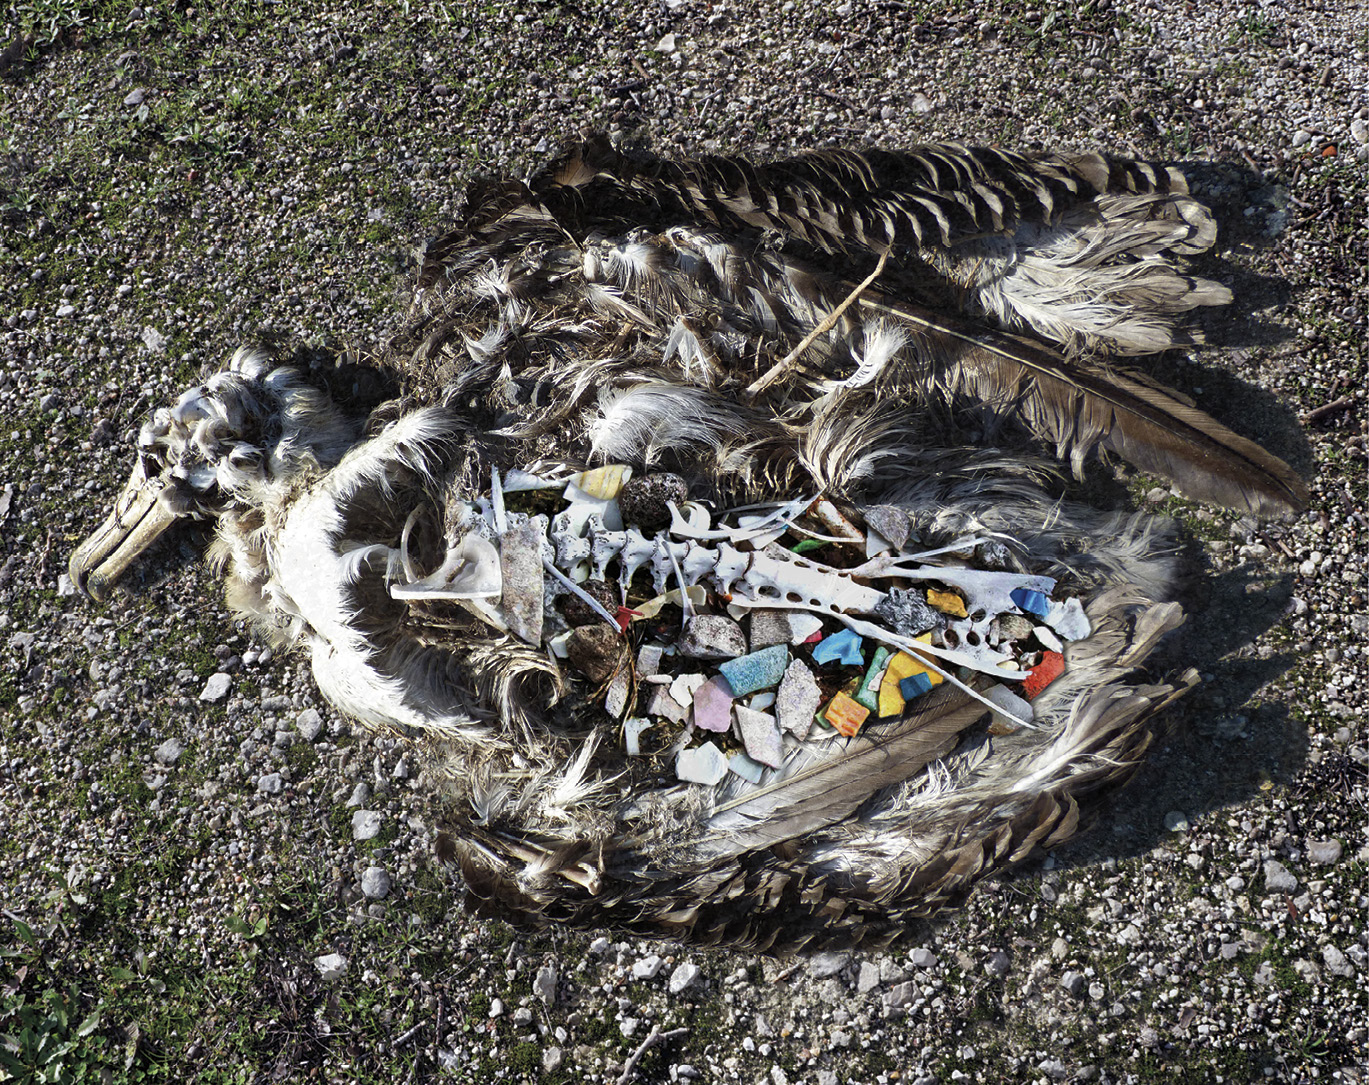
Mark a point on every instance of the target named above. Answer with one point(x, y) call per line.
point(702, 627)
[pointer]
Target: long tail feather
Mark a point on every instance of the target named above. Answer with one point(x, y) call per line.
point(1083, 407)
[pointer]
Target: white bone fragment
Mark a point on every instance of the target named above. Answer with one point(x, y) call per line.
point(517, 481)
point(470, 571)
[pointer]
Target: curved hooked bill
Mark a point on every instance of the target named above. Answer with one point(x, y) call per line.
point(138, 519)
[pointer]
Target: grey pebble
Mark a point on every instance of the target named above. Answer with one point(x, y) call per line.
point(1277, 878)
point(309, 724)
point(270, 784)
point(216, 689)
point(544, 986)
point(169, 752)
point(923, 957)
point(366, 824)
point(823, 965)
point(1074, 983)
point(1324, 852)
point(375, 883)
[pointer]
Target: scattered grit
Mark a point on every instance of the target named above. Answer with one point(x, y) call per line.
point(245, 885)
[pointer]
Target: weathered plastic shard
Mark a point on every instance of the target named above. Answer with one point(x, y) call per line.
point(602, 483)
point(1031, 601)
point(907, 613)
point(704, 764)
point(947, 602)
point(876, 544)
point(890, 522)
point(760, 735)
point(798, 699)
point(1009, 705)
point(616, 698)
point(1051, 667)
point(660, 703)
point(649, 660)
point(520, 562)
point(685, 686)
point(712, 636)
point(770, 627)
point(696, 594)
point(845, 714)
point(713, 705)
point(842, 645)
point(867, 693)
point(1068, 619)
point(759, 670)
point(1048, 639)
point(517, 481)
point(633, 727)
point(741, 765)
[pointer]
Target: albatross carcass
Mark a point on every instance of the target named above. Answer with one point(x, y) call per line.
point(671, 564)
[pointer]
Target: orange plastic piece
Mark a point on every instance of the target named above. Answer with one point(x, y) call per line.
point(846, 714)
point(947, 602)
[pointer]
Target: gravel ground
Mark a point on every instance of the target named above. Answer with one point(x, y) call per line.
point(194, 845)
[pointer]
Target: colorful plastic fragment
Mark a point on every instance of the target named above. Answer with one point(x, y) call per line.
point(843, 646)
point(845, 714)
point(867, 693)
point(759, 670)
point(903, 665)
point(915, 685)
point(1031, 601)
point(743, 766)
point(948, 603)
point(1050, 668)
point(713, 705)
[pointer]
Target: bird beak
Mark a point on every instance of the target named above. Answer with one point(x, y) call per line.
point(137, 521)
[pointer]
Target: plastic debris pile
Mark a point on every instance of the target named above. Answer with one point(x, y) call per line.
point(718, 637)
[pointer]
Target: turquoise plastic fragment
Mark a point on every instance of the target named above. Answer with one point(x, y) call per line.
point(1031, 601)
point(759, 670)
point(868, 692)
point(843, 646)
point(915, 685)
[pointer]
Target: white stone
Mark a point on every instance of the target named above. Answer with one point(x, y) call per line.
point(309, 724)
point(760, 735)
point(683, 977)
point(169, 751)
point(544, 986)
point(331, 966)
point(647, 968)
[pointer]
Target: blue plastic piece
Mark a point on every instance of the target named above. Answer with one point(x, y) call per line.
point(915, 685)
point(1033, 602)
point(759, 670)
point(843, 646)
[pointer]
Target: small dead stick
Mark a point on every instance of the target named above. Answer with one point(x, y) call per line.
point(771, 375)
point(655, 1037)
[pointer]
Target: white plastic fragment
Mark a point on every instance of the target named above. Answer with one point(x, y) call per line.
point(704, 764)
point(1069, 620)
point(633, 727)
point(1011, 706)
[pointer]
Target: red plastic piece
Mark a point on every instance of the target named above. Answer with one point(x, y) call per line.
point(1051, 667)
